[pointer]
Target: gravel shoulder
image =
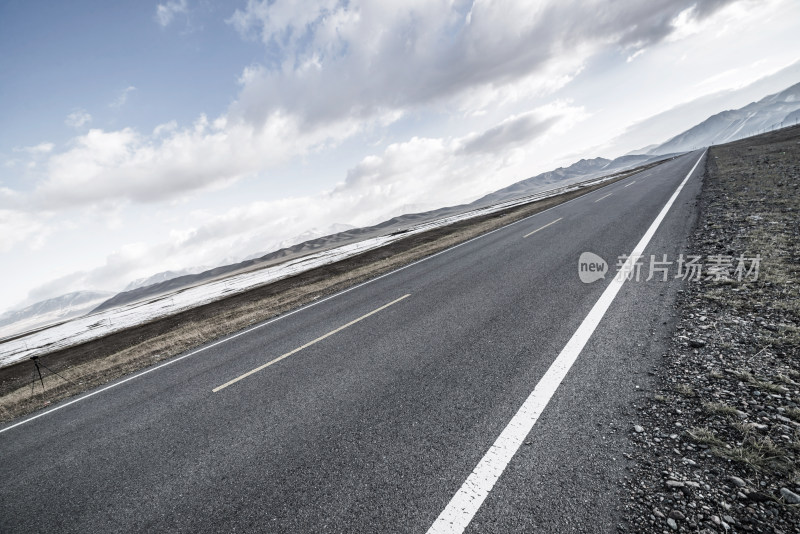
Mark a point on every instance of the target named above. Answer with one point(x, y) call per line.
point(717, 443)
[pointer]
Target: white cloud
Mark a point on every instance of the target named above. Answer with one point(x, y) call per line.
point(514, 131)
point(165, 13)
point(36, 150)
point(78, 118)
point(636, 54)
point(163, 129)
point(416, 175)
point(335, 59)
point(125, 165)
point(123, 97)
point(20, 228)
point(347, 66)
point(9, 198)
point(429, 173)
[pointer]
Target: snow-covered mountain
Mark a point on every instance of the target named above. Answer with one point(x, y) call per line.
point(580, 170)
point(308, 241)
point(50, 311)
point(308, 235)
point(162, 277)
point(773, 111)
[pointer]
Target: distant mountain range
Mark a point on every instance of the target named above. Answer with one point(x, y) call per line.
point(773, 111)
point(162, 277)
point(769, 112)
point(308, 235)
point(310, 241)
point(583, 169)
point(50, 311)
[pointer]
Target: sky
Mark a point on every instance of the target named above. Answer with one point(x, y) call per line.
point(138, 137)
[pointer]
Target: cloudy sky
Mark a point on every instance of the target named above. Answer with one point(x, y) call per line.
point(137, 136)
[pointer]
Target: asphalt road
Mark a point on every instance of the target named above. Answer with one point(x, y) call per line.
point(376, 423)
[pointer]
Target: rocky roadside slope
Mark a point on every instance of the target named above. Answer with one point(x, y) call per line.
point(717, 444)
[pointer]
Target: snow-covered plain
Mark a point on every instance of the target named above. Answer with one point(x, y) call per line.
point(83, 329)
point(50, 312)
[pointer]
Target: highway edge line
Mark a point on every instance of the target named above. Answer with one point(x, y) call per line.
point(466, 502)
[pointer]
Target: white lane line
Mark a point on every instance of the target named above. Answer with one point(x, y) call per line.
point(280, 317)
point(542, 227)
point(604, 196)
point(470, 496)
point(298, 349)
point(630, 184)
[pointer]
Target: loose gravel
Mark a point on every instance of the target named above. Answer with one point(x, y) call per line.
point(717, 444)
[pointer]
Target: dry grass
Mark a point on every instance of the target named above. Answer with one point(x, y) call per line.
point(793, 413)
point(759, 185)
point(744, 376)
point(720, 408)
point(763, 385)
point(753, 456)
point(754, 185)
point(780, 377)
point(704, 436)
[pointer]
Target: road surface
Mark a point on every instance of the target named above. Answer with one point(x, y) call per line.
point(367, 412)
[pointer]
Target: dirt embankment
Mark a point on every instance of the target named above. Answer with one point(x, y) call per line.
point(718, 442)
point(100, 361)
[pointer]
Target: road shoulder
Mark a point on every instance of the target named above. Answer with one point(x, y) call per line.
point(717, 439)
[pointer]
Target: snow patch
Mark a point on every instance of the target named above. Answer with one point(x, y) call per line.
point(106, 322)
